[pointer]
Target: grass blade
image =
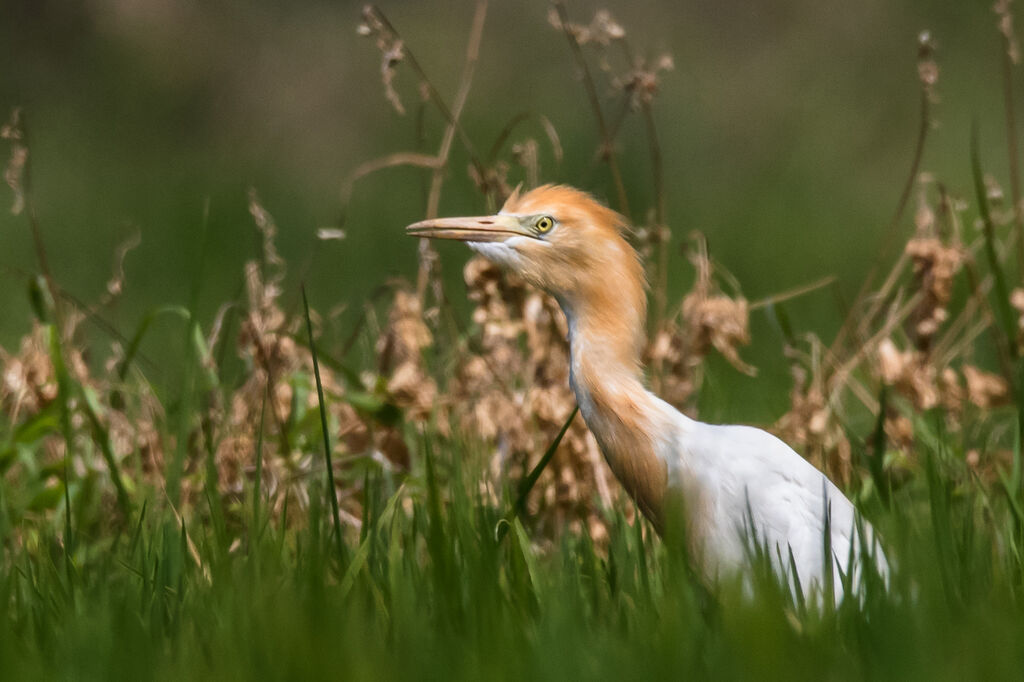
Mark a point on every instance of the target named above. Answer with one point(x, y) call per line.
point(257, 488)
point(1002, 291)
point(102, 436)
point(876, 458)
point(527, 485)
point(331, 490)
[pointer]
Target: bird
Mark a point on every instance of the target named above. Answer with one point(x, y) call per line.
point(738, 488)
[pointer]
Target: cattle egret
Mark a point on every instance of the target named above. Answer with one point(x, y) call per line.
point(735, 483)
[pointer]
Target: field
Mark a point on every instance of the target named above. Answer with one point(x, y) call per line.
point(206, 475)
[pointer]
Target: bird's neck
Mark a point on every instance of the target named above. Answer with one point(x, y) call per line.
point(629, 422)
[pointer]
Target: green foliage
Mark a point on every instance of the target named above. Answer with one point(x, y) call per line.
point(425, 592)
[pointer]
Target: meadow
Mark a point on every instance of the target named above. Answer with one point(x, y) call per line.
point(395, 485)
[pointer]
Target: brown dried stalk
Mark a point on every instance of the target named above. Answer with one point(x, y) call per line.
point(390, 161)
point(928, 74)
point(546, 125)
point(428, 86)
point(18, 175)
point(607, 145)
point(428, 258)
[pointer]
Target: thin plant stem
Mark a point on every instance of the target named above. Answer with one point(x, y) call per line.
point(428, 257)
point(792, 293)
point(890, 233)
point(332, 493)
point(257, 488)
point(660, 226)
point(531, 479)
point(1002, 292)
point(431, 91)
point(34, 225)
point(607, 146)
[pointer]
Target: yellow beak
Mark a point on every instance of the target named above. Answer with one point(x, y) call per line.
point(493, 228)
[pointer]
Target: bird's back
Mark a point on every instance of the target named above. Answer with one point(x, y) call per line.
point(752, 487)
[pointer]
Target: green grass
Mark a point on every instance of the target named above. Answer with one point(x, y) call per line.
point(426, 592)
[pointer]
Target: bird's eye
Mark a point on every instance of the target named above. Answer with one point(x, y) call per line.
point(544, 224)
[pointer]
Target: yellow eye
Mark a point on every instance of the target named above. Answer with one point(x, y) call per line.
point(544, 224)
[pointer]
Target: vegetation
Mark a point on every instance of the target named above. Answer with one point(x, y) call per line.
point(288, 512)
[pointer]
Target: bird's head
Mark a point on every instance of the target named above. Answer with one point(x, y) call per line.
point(559, 239)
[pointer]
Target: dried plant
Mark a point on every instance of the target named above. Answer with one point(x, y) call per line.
point(812, 424)
point(909, 346)
point(935, 265)
point(15, 170)
point(707, 318)
point(518, 397)
point(391, 49)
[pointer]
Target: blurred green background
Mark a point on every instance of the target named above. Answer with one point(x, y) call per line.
point(787, 130)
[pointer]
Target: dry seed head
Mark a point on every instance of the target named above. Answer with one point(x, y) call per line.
point(406, 335)
point(29, 382)
point(400, 359)
point(268, 229)
point(706, 319)
point(326, 234)
point(261, 333)
point(993, 191)
point(713, 318)
point(233, 456)
point(908, 373)
point(1017, 302)
point(984, 389)
point(516, 395)
point(899, 432)
point(414, 390)
point(602, 29)
point(913, 375)
point(811, 424)
point(924, 216)
point(935, 264)
point(678, 370)
point(526, 154)
point(1017, 299)
point(1002, 10)
point(927, 68)
point(392, 52)
point(11, 130)
point(890, 362)
point(115, 285)
point(14, 172)
point(642, 82)
point(720, 321)
point(641, 77)
point(606, 28)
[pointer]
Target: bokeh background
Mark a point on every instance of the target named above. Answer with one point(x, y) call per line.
point(787, 130)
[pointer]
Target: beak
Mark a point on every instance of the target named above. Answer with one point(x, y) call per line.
point(493, 228)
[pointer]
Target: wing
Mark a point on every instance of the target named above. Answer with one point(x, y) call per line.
point(757, 486)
